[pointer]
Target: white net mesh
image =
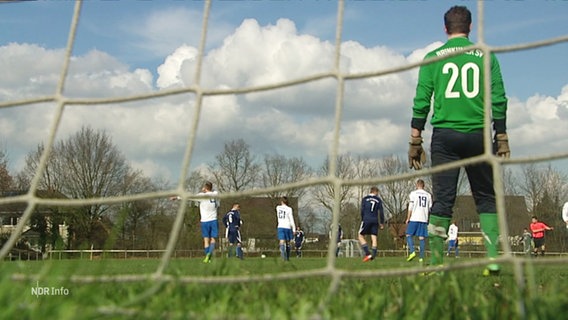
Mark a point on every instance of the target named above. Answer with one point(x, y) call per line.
point(159, 276)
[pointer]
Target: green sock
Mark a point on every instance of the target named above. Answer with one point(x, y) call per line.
point(490, 228)
point(437, 242)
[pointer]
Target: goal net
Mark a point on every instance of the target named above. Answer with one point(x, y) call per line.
point(151, 283)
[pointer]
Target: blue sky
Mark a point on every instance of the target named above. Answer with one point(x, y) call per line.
point(128, 47)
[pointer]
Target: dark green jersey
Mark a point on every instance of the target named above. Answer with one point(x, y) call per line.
point(456, 85)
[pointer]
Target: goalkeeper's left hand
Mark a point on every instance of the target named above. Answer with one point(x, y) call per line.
point(501, 145)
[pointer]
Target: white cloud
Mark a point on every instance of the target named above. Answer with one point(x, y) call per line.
point(539, 124)
point(170, 71)
point(293, 121)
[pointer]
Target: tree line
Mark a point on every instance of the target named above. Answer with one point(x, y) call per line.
point(89, 165)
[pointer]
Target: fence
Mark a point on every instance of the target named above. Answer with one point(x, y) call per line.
point(148, 254)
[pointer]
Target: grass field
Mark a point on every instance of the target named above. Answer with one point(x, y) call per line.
point(220, 290)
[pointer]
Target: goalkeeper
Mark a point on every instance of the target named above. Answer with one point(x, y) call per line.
point(456, 85)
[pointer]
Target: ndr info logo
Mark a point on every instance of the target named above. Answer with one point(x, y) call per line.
point(49, 291)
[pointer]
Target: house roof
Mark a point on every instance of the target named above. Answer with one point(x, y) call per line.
point(17, 208)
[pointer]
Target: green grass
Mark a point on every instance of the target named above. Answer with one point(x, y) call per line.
point(456, 294)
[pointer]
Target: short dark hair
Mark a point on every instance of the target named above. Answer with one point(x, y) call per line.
point(208, 185)
point(457, 20)
point(284, 200)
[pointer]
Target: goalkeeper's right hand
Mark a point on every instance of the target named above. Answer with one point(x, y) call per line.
point(416, 154)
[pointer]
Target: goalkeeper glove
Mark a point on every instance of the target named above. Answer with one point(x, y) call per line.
point(416, 154)
point(501, 145)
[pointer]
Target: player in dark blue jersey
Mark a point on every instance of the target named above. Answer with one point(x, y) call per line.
point(339, 238)
point(298, 241)
point(372, 218)
point(232, 221)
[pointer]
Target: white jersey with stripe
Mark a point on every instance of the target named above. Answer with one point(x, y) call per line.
point(419, 205)
point(208, 207)
point(285, 217)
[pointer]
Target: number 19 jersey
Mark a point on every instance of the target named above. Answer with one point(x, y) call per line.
point(420, 202)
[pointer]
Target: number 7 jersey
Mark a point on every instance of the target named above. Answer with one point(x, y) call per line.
point(456, 83)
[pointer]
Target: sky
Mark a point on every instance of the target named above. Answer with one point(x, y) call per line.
point(126, 48)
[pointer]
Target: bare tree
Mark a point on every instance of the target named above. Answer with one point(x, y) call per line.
point(52, 178)
point(395, 193)
point(533, 180)
point(365, 167)
point(510, 182)
point(279, 170)
point(235, 168)
point(131, 215)
point(86, 165)
point(324, 195)
point(6, 180)
point(194, 182)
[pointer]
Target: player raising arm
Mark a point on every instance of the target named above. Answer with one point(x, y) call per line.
point(538, 230)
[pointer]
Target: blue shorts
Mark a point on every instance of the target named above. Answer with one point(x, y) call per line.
point(285, 234)
point(210, 229)
point(371, 228)
point(415, 228)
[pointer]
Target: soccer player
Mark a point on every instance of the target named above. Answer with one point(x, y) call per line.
point(565, 213)
point(453, 239)
point(286, 227)
point(209, 224)
point(208, 218)
point(538, 230)
point(232, 221)
point(372, 218)
point(298, 241)
point(338, 239)
point(455, 88)
point(419, 204)
point(527, 242)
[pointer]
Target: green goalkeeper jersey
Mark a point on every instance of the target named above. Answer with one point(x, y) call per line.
point(456, 85)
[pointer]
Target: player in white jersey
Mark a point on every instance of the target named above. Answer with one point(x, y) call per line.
point(286, 227)
point(209, 224)
point(565, 213)
point(419, 205)
point(453, 239)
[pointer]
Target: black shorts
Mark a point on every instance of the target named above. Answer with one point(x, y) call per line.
point(371, 228)
point(538, 242)
point(447, 146)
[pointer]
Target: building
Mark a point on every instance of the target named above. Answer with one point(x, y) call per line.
point(11, 213)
